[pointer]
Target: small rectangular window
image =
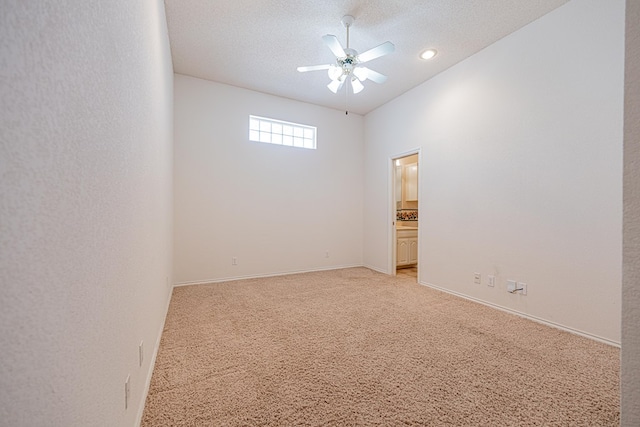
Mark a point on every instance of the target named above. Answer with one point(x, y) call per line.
point(271, 131)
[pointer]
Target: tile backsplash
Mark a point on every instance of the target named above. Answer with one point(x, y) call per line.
point(407, 215)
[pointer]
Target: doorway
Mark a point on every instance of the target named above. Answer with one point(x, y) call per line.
point(405, 171)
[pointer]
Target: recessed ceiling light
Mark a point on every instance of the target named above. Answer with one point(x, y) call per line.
point(428, 54)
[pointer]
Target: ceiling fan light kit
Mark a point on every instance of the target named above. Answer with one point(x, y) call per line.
point(348, 62)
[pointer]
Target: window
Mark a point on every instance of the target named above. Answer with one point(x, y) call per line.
point(278, 132)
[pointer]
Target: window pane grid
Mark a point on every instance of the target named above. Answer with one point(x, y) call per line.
point(273, 131)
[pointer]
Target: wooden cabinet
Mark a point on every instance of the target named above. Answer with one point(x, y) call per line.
point(413, 250)
point(402, 256)
point(411, 182)
point(406, 186)
point(407, 247)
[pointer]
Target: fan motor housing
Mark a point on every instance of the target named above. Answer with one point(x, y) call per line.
point(350, 61)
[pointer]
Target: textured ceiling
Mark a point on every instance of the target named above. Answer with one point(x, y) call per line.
point(257, 44)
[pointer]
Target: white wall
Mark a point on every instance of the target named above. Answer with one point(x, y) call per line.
point(630, 374)
point(521, 165)
point(85, 207)
point(276, 209)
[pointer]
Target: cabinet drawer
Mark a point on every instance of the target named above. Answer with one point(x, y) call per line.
point(407, 234)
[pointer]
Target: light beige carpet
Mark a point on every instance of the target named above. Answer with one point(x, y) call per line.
point(356, 347)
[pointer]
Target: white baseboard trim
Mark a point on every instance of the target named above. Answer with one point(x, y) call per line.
point(259, 276)
point(379, 270)
point(152, 364)
point(525, 315)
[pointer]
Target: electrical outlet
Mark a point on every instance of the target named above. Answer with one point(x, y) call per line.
point(477, 278)
point(127, 392)
point(522, 287)
point(326, 254)
point(491, 281)
point(234, 261)
point(516, 287)
point(141, 352)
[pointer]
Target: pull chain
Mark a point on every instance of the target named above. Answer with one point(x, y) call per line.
point(346, 93)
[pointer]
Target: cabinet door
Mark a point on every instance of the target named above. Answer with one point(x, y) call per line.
point(402, 254)
point(413, 251)
point(411, 182)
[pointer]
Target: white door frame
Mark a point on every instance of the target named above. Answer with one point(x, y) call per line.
point(392, 207)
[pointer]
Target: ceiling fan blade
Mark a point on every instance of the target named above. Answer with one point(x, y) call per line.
point(332, 43)
point(376, 52)
point(375, 76)
point(361, 73)
point(313, 68)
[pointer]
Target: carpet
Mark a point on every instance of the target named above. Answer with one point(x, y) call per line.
point(354, 347)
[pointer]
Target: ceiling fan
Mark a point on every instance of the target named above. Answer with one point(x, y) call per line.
point(348, 62)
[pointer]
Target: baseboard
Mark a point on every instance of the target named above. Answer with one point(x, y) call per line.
point(379, 270)
point(152, 364)
point(259, 276)
point(525, 315)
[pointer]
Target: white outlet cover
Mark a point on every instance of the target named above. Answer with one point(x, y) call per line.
point(491, 281)
point(522, 286)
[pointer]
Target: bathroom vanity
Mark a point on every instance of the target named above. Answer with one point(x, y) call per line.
point(407, 246)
